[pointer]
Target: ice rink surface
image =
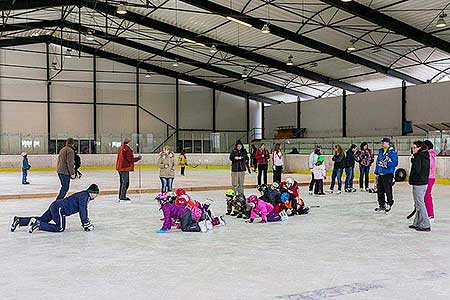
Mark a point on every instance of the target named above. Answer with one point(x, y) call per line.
point(342, 250)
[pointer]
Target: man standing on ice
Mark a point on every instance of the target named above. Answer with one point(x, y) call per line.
point(58, 211)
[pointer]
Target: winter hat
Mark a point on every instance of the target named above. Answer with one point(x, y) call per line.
point(93, 189)
point(230, 193)
point(285, 197)
point(239, 142)
point(386, 139)
point(275, 185)
point(23, 154)
point(180, 192)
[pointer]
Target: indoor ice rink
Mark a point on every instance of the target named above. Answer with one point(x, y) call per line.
point(216, 149)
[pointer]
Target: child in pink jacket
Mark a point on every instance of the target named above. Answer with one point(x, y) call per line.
point(431, 179)
point(264, 209)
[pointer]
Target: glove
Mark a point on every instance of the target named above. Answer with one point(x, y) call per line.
point(162, 231)
point(88, 226)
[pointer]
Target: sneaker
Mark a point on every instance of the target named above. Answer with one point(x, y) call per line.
point(431, 219)
point(202, 225)
point(330, 191)
point(380, 209)
point(363, 190)
point(321, 194)
point(353, 190)
point(14, 224)
point(310, 192)
point(33, 225)
point(284, 216)
point(125, 200)
point(25, 182)
point(338, 192)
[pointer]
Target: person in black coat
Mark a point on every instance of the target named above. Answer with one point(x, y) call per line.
point(418, 179)
point(239, 161)
point(349, 164)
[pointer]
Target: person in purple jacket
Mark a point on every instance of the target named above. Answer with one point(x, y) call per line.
point(54, 219)
point(179, 212)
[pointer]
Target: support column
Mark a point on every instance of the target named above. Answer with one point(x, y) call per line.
point(214, 110)
point(247, 100)
point(138, 105)
point(298, 113)
point(177, 113)
point(262, 121)
point(403, 107)
point(47, 50)
point(344, 113)
point(94, 98)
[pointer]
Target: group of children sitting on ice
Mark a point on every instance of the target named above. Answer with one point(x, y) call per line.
point(272, 205)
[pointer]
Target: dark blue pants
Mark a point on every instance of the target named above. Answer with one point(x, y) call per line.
point(349, 176)
point(337, 173)
point(65, 183)
point(54, 213)
point(24, 175)
point(364, 176)
point(166, 184)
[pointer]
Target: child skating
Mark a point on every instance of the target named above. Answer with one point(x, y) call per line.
point(25, 165)
point(320, 174)
point(264, 209)
point(54, 219)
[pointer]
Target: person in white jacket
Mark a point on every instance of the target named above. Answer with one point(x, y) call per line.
point(311, 162)
point(319, 173)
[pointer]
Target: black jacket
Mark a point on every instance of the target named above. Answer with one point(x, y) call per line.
point(420, 168)
point(349, 161)
point(241, 164)
point(338, 161)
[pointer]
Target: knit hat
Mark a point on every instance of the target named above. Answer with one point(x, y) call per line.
point(252, 199)
point(23, 154)
point(239, 142)
point(93, 189)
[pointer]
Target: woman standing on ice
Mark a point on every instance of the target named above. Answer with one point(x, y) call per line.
point(431, 180)
point(277, 163)
point(418, 178)
point(166, 163)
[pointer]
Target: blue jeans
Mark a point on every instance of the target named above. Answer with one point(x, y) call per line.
point(364, 176)
point(24, 175)
point(349, 176)
point(336, 173)
point(166, 184)
point(65, 183)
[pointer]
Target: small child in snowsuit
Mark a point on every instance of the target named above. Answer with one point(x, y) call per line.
point(25, 166)
point(320, 174)
point(264, 209)
point(291, 187)
point(182, 161)
point(237, 204)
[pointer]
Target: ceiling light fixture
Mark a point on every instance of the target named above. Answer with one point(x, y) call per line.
point(90, 36)
point(188, 40)
point(121, 9)
point(265, 28)
point(213, 49)
point(346, 0)
point(68, 53)
point(289, 62)
point(175, 63)
point(238, 21)
point(351, 46)
point(441, 21)
point(147, 75)
point(34, 34)
point(244, 73)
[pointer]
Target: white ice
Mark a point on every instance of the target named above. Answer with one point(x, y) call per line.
point(342, 250)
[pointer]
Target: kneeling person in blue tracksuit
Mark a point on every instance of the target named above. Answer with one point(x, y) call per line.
point(58, 211)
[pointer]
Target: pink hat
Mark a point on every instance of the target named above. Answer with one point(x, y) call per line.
point(252, 199)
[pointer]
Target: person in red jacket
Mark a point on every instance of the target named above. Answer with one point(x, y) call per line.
point(262, 157)
point(290, 186)
point(124, 165)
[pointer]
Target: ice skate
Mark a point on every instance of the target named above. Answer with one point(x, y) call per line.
point(388, 208)
point(380, 209)
point(284, 216)
point(33, 225)
point(14, 224)
point(202, 225)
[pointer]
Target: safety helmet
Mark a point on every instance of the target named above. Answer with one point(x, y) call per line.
point(290, 181)
point(230, 193)
point(285, 197)
point(252, 199)
point(262, 188)
point(275, 185)
point(182, 200)
point(180, 192)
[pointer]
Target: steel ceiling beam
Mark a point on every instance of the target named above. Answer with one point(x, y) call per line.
point(156, 51)
point(234, 50)
point(390, 23)
point(183, 59)
point(32, 4)
point(22, 41)
point(163, 71)
point(300, 39)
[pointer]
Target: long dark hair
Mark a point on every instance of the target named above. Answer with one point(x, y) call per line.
point(363, 144)
point(277, 147)
point(183, 152)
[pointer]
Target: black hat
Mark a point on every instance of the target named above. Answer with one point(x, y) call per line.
point(93, 189)
point(238, 142)
point(387, 140)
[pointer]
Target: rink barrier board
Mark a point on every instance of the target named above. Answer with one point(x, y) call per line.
point(138, 191)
